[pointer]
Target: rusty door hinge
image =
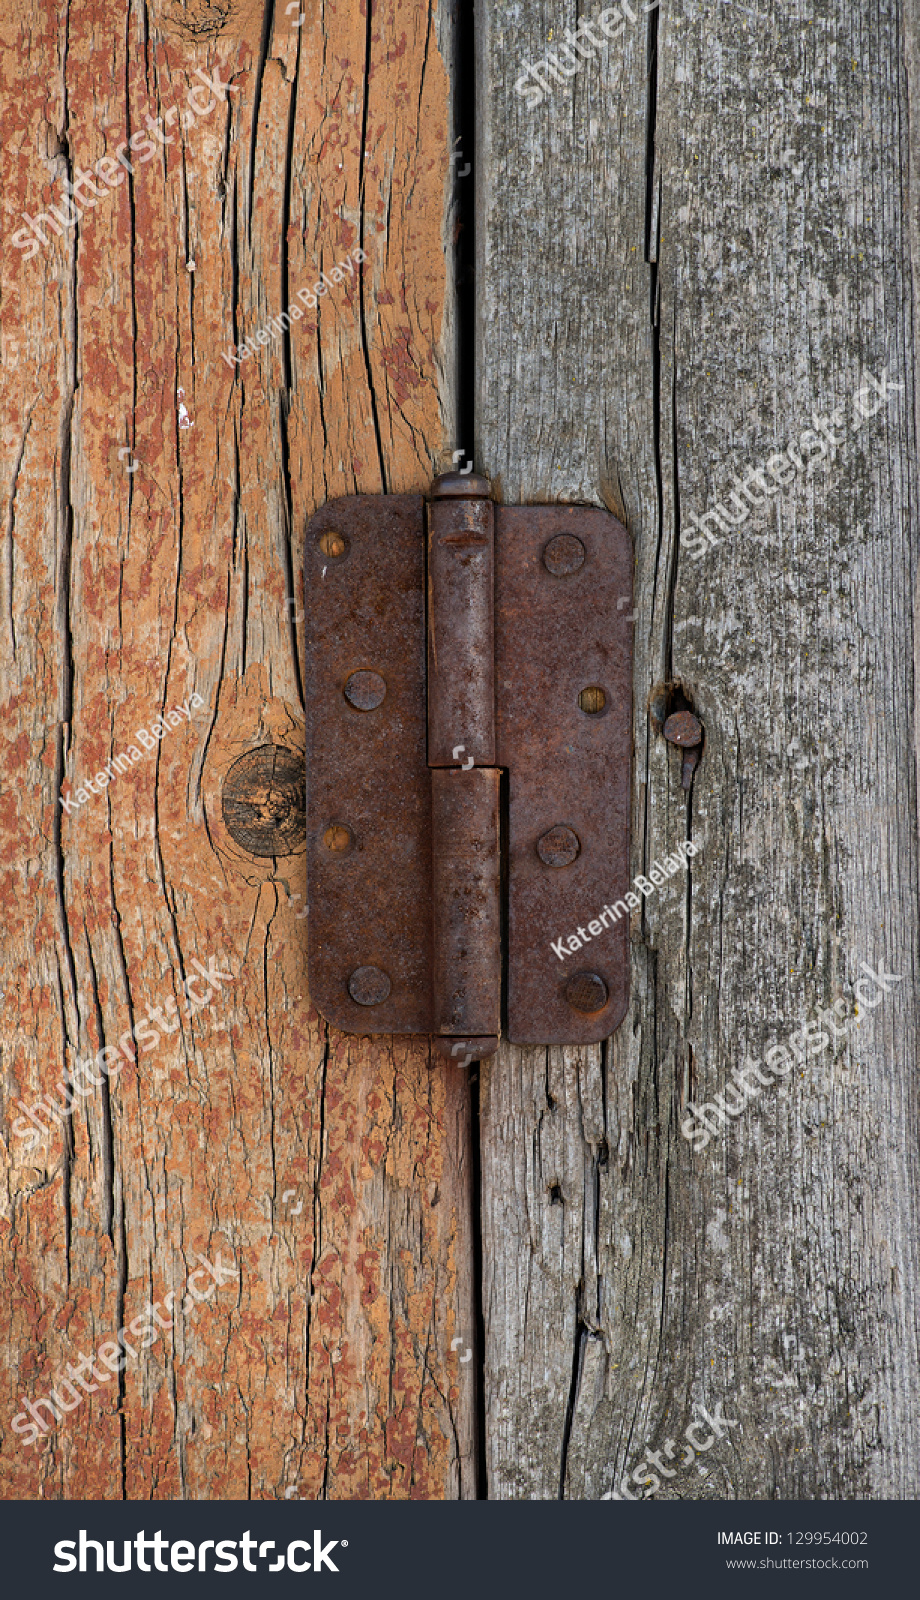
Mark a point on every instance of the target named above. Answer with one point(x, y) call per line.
point(468, 767)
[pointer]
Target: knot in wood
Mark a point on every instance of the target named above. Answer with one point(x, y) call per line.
point(264, 801)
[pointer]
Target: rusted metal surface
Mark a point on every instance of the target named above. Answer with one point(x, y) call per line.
point(557, 634)
point(461, 587)
point(365, 690)
point(563, 555)
point(586, 992)
point(466, 901)
point(460, 485)
point(403, 833)
point(368, 784)
point(688, 766)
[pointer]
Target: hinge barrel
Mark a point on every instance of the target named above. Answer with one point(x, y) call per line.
point(466, 857)
point(461, 620)
point(467, 911)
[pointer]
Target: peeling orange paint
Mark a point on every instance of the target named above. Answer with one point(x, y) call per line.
point(329, 1364)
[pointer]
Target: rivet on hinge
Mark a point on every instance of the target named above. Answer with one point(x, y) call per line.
point(586, 992)
point(559, 847)
point(564, 555)
point(365, 690)
point(369, 986)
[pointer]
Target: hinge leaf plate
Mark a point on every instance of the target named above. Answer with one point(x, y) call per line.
point(557, 635)
point(367, 774)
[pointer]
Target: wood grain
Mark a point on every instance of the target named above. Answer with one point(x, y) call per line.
point(334, 1173)
point(684, 253)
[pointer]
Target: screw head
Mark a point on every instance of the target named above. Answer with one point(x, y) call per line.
point(333, 544)
point(563, 555)
point(684, 729)
point(369, 986)
point(559, 847)
point(365, 690)
point(586, 992)
point(338, 838)
point(592, 701)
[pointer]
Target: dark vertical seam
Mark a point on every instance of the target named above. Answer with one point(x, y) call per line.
point(481, 1480)
point(119, 1240)
point(462, 212)
point(317, 1243)
point(578, 1356)
point(214, 714)
point(655, 342)
point(287, 392)
point(244, 601)
point(361, 213)
point(65, 521)
point(9, 542)
point(67, 1160)
point(267, 26)
point(463, 209)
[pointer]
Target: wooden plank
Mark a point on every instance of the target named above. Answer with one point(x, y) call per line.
point(686, 251)
point(156, 486)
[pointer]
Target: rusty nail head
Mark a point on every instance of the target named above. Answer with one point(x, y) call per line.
point(369, 986)
point(587, 992)
point(684, 729)
point(365, 690)
point(559, 847)
point(338, 838)
point(563, 555)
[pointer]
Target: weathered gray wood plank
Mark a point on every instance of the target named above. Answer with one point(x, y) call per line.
point(684, 255)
